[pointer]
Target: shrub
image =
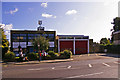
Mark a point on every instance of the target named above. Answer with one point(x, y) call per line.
point(65, 54)
point(57, 55)
point(9, 56)
point(4, 50)
point(62, 56)
point(32, 56)
point(48, 57)
point(52, 54)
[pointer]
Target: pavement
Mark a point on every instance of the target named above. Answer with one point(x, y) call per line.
point(36, 62)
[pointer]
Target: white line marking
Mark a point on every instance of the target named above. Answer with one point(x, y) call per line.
point(85, 75)
point(36, 69)
point(53, 67)
point(69, 67)
point(106, 65)
point(89, 65)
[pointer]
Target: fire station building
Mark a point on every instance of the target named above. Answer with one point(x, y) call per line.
point(76, 43)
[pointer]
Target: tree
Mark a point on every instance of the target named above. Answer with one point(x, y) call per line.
point(116, 23)
point(5, 43)
point(40, 43)
point(105, 41)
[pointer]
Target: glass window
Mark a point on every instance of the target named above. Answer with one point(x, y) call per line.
point(14, 38)
point(37, 35)
point(31, 34)
point(23, 38)
point(22, 34)
point(51, 34)
point(45, 35)
point(15, 35)
point(31, 37)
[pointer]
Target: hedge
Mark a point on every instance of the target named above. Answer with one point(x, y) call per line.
point(113, 49)
point(65, 54)
point(9, 56)
point(52, 54)
point(32, 56)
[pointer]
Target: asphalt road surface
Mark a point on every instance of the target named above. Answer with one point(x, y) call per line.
point(94, 68)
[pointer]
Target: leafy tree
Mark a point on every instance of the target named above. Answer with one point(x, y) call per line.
point(116, 23)
point(5, 43)
point(105, 41)
point(40, 43)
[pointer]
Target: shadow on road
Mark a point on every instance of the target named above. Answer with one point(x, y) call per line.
point(111, 55)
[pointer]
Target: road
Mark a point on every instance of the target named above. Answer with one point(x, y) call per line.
point(94, 68)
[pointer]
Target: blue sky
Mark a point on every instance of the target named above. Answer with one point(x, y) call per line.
point(92, 19)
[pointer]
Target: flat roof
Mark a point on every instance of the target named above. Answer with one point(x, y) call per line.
point(30, 31)
point(72, 36)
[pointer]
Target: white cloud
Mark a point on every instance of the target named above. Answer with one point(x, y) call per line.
point(70, 12)
point(44, 5)
point(48, 15)
point(13, 11)
point(6, 27)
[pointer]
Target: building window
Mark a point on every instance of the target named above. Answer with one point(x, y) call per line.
point(15, 35)
point(31, 38)
point(51, 35)
point(23, 38)
point(37, 35)
point(22, 34)
point(31, 34)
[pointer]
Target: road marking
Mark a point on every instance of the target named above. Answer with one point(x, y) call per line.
point(35, 69)
point(85, 75)
point(69, 67)
point(88, 54)
point(106, 65)
point(5, 65)
point(53, 67)
point(90, 65)
point(80, 55)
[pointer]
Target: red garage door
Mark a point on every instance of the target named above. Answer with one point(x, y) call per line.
point(81, 47)
point(66, 45)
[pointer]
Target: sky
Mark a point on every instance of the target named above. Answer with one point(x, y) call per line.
point(91, 19)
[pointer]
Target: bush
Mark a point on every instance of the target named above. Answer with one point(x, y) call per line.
point(113, 49)
point(9, 56)
point(65, 54)
point(52, 54)
point(62, 56)
point(32, 56)
point(48, 57)
point(4, 50)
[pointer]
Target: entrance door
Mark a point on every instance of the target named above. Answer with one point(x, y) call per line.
point(66, 45)
point(81, 47)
